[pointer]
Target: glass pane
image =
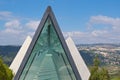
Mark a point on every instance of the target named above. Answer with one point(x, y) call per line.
point(48, 60)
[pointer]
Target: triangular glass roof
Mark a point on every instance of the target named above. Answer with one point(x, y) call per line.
point(48, 57)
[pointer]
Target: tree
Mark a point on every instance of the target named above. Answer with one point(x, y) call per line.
point(98, 73)
point(94, 70)
point(104, 74)
point(5, 72)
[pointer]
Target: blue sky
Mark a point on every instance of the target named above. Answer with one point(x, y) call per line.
point(86, 21)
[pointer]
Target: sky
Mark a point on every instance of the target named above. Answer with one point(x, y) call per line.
point(86, 21)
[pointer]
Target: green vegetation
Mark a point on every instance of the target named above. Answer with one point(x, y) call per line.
point(113, 69)
point(5, 72)
point(8, 53)
point(98, 73)
point(116, 78)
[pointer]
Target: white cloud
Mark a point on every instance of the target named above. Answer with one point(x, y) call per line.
point(105, 20)
point(97, 33)
point(78, 36)
point(96, 36)
point(102, 29)
point(101, 19)
point(12, 31)
point(73, 34)
point(16, 31)
point(31, 33)
point(15, 28)
point(12, 23)
point(5, 15)
point(33, 24)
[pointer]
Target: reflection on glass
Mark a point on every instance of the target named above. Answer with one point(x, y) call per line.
point(48, 59)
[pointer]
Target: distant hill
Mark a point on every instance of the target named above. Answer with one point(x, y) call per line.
point(88, 58)
point(8, 53)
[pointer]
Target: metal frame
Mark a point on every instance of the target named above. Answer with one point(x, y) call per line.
point(48, 13)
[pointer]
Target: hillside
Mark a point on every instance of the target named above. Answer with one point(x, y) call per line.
point(8, 53)
point(109, 55)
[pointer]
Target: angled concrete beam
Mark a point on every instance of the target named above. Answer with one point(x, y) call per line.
point(78, 60)
point(20, 55)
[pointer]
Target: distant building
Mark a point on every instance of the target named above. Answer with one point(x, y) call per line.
point(49, 57)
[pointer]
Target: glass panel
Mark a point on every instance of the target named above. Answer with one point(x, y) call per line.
point(48, 60)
